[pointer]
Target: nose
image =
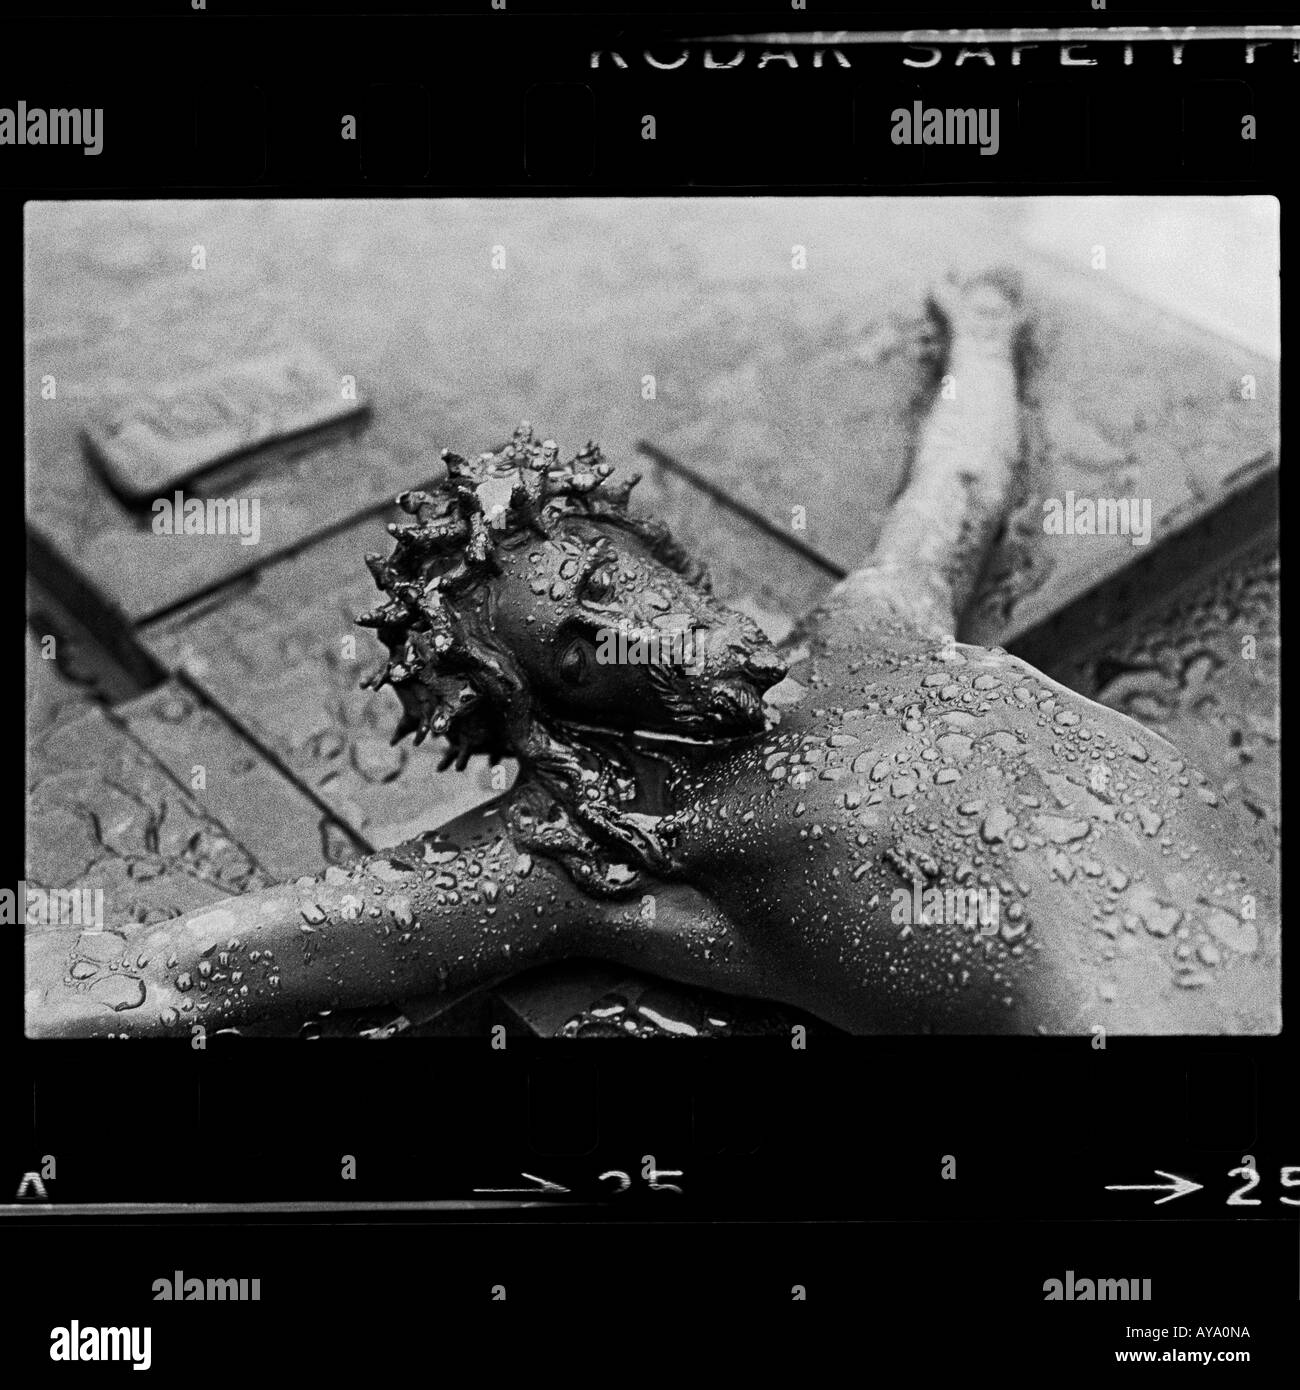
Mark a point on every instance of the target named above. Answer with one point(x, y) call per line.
point(742, 643)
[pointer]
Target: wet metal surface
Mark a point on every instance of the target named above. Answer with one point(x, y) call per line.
point(757, 391)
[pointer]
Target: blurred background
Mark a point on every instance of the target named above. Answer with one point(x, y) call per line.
point(1216, 265)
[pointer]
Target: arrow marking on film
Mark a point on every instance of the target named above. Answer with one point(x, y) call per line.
point(544, 1186)
point(1175, 1187)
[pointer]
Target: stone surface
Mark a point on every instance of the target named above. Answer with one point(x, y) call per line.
point(785, 387)
point(102, 813)
point(53, 698)
point(172, 438)
point(240, 787)
point(1203, 667)
point(284, 658)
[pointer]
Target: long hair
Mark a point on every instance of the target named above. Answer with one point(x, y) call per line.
point(456, 679)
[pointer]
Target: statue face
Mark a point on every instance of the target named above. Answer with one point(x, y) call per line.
point(609, 635)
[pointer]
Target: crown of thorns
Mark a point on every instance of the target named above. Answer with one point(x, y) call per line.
point(451, 677)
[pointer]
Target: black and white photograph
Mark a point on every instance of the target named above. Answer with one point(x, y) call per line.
point(695, 599)
point(841, 613)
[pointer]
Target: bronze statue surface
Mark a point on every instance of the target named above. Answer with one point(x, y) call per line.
point(806, 824)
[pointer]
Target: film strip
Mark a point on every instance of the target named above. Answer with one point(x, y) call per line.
point(969, 335)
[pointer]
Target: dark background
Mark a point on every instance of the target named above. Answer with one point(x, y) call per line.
point(847, 1131)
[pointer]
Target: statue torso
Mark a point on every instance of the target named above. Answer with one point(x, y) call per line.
point(945, 836)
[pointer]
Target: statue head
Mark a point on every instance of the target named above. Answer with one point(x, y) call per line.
point(528, 614)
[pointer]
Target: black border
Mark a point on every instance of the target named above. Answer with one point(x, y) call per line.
point(850, 1131)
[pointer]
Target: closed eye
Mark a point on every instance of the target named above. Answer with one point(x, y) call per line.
point(575, 663)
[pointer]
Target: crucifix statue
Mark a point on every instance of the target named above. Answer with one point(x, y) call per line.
point(874, 822)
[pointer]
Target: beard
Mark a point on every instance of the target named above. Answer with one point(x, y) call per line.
point(725, 706)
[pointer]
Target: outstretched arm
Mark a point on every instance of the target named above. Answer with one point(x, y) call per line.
point(451, 910)
point(933, 544)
